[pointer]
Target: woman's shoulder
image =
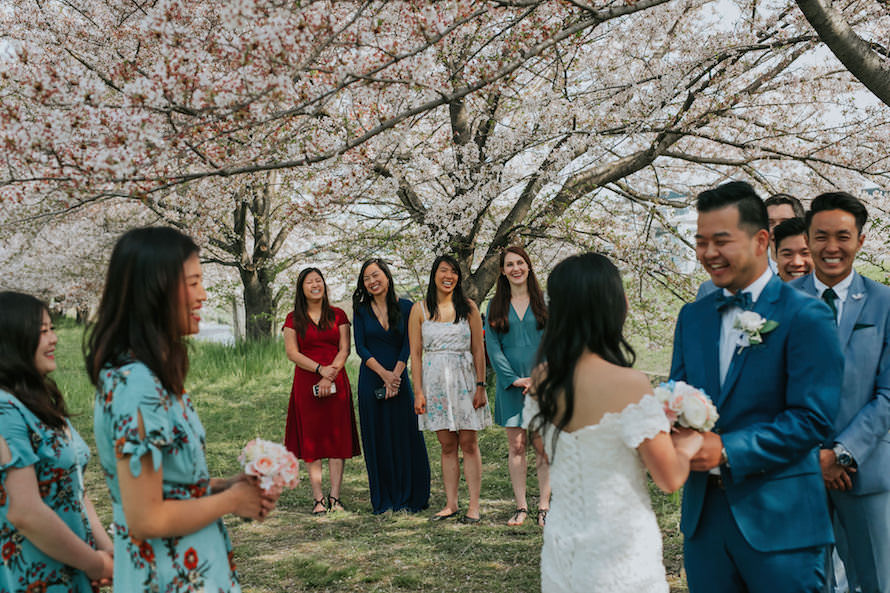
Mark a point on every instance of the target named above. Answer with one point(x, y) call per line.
point(131, 385)
point(10, 404)
point(339, 315)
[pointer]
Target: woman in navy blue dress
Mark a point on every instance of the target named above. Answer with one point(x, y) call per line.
point(395, 452)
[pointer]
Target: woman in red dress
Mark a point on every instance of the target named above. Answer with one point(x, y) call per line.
point(320, 417)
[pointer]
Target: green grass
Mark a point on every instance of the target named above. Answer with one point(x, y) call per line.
point(242, 392)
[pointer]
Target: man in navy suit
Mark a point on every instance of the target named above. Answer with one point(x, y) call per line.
point(856, 458)
point(755, 516)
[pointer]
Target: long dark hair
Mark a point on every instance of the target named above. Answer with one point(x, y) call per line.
point(587, 311)
point(140, 313)
point(361, 296)
point(461, 303)
point(301, 306)
point(499, 309)
point(21, 318)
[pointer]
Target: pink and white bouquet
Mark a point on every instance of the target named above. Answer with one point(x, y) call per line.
point(687, 406)
point(271, 463)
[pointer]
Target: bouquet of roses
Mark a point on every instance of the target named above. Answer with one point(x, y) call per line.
point(687, 406)
point(271, 463)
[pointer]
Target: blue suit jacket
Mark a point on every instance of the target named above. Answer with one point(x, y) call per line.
point(864, 415)
point(777, 405)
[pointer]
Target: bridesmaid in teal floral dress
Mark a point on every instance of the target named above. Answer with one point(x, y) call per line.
point(168, 535)
point(50, 537)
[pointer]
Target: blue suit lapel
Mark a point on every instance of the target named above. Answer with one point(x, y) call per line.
point(763, 307)
point(853, 306)
point(710, 341)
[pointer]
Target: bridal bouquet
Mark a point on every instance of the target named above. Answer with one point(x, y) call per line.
point(687, 406)
point(271, 463)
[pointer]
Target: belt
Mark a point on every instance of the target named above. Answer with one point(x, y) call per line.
point(716, 481)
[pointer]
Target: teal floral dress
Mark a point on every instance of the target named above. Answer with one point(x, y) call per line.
point(58, 458)
point(174, 438)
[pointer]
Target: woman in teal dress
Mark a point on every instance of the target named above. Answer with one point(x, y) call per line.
point(51, 539)
point(515, 324)
point(168, 530)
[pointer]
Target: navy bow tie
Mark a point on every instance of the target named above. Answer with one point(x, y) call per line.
point(740, 299)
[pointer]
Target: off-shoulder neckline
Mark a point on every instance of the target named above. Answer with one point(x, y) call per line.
point(608, 416)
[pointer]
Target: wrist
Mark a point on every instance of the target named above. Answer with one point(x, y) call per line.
point(842, 456)
point(97, 564)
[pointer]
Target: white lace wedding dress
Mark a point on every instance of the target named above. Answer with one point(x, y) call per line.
point(601, 532)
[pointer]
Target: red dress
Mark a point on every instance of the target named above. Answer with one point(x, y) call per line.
point(320, 427)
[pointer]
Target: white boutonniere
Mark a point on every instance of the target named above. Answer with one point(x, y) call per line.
point(857, 296)
point(753, 328)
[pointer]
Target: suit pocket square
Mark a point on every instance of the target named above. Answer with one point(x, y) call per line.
point(862, 326)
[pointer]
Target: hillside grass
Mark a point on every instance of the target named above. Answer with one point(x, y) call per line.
point(242, 392)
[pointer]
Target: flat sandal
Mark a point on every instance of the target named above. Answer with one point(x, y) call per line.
point(514, 519)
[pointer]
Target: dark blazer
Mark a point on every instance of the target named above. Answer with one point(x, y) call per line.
point(776, 407)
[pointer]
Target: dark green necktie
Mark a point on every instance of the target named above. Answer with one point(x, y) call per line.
point(829, 296)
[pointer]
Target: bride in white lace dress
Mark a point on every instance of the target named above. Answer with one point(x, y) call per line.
point(603, 429)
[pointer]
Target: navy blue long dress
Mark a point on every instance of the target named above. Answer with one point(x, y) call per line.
point(395, 452)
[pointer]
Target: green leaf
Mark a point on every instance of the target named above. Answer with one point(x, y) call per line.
point(769, 326)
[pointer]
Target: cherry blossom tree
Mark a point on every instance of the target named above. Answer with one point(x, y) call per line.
point(866, 53)
point(584, 148)
point(275, 131)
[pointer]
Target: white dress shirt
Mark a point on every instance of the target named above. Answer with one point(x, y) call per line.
point(841, 289)
point(729, 336)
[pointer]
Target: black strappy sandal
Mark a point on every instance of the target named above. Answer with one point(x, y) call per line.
point(542, 517)
point(514, 519)
point(324, 507)
point(333, 500)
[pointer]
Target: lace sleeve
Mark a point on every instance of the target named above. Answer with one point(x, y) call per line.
point(643, 420)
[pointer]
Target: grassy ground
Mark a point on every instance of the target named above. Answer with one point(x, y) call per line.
point(242, 393)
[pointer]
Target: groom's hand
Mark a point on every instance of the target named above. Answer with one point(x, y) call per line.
point(708, 456)
point(836, 477)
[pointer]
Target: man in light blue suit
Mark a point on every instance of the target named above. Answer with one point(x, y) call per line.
point(755, 515)
point(856, 458)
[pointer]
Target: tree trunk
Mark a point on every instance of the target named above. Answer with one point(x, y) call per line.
point(854, 53)
point(258, 301)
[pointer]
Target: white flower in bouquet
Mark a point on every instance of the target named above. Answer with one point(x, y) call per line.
point(687, 406)
point(271, 463)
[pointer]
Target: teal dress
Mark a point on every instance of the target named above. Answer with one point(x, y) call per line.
point(174, 438)
point(58, 458)
point(512, 356)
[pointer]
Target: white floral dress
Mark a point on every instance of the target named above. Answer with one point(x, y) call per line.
point(449, 378)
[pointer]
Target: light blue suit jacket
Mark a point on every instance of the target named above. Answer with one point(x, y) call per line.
point(777, 405)
point(863, 421)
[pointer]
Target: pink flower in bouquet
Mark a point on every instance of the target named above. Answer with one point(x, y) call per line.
point(274, 465)
point(687, 406)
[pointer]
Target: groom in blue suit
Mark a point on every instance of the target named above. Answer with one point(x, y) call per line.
point(856, 458)
point(755, 516)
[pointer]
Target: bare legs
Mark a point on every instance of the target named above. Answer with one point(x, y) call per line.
point(335, 469)
point(542, 466)
point(450, 469)
point(516, 463)
point(517, 466)
point(466, 441)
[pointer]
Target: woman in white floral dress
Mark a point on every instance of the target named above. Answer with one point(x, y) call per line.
point(448, 372)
